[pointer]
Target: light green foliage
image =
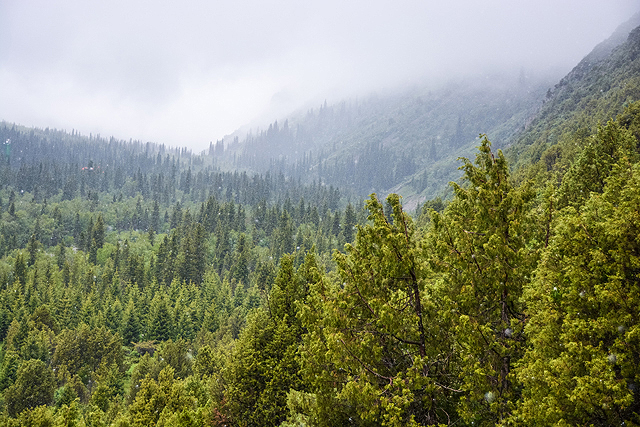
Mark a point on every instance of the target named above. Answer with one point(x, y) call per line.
point(161, 401)
point(205, 362)
point(594, 164)
point(147, 367)
point(376, 352)
point(108, 388)
point(583, 364)
point(40, 416)
point(150, 401)
point(179, 356)
point(86, 348)
point(479, 247)
point(69, 416)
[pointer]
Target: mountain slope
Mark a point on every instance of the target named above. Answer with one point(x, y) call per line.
point(597, 89)
point(406, 142)
point(409, 142)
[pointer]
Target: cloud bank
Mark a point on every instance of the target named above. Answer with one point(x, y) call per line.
point(186, 73)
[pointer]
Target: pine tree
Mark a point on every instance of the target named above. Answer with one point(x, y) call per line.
point(32, 248)
point(114, 316)
point(264, 366)
point(240, 269)
point(349, 223)
point(130, 328)
point(34, 386)
point(20, 270)
point(97, 233)
point(160, 326)
point(61, 256)
point(591, 169)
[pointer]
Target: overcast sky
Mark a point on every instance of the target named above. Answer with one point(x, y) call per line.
point(189, 72)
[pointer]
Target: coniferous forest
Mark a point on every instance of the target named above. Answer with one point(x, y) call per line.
point(146, 285)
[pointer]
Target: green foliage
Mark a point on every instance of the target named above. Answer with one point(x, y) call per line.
point(160, 324)
point(179, 356)
point(263, 367)
point(589, 172)
point(583, 364)
point(376, 350)
point(40, 416)
point(85, 349)
point(205, 363)
point(600, 87)
point(480, 246)
point(34, 386)
point(151, 399)
point(163, 290)
point(9, 368)
point(130, 329)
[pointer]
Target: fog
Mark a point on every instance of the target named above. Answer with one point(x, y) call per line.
point(186, 73)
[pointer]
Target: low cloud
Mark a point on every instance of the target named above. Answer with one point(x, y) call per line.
point(188, 73)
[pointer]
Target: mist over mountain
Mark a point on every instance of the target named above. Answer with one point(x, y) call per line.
point(408, 142)
point(596, 90)
point(185, 76)
point(251, 284)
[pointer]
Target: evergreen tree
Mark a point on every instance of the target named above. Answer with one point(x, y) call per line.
point(160, 326)
point(97, 232)
point(480, 247)
point(240, 269)
point(583, 363)
point(34, 386)
point(264, 365)
point(32, 249)
point(377, 352)
point(349, 223)
point(591, 169)
point(20, 270)
point(130, 328)
point(61, 256)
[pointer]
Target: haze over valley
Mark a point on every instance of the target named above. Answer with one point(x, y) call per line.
point(277, 214)
point(190, 74)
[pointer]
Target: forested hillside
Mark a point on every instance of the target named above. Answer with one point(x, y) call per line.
point(415, 137)
point(142, 285)
point(110, 249)
point(600, 87)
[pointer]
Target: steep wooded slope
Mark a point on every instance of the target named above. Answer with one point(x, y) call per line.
point(408, 142)
point(599, 88)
